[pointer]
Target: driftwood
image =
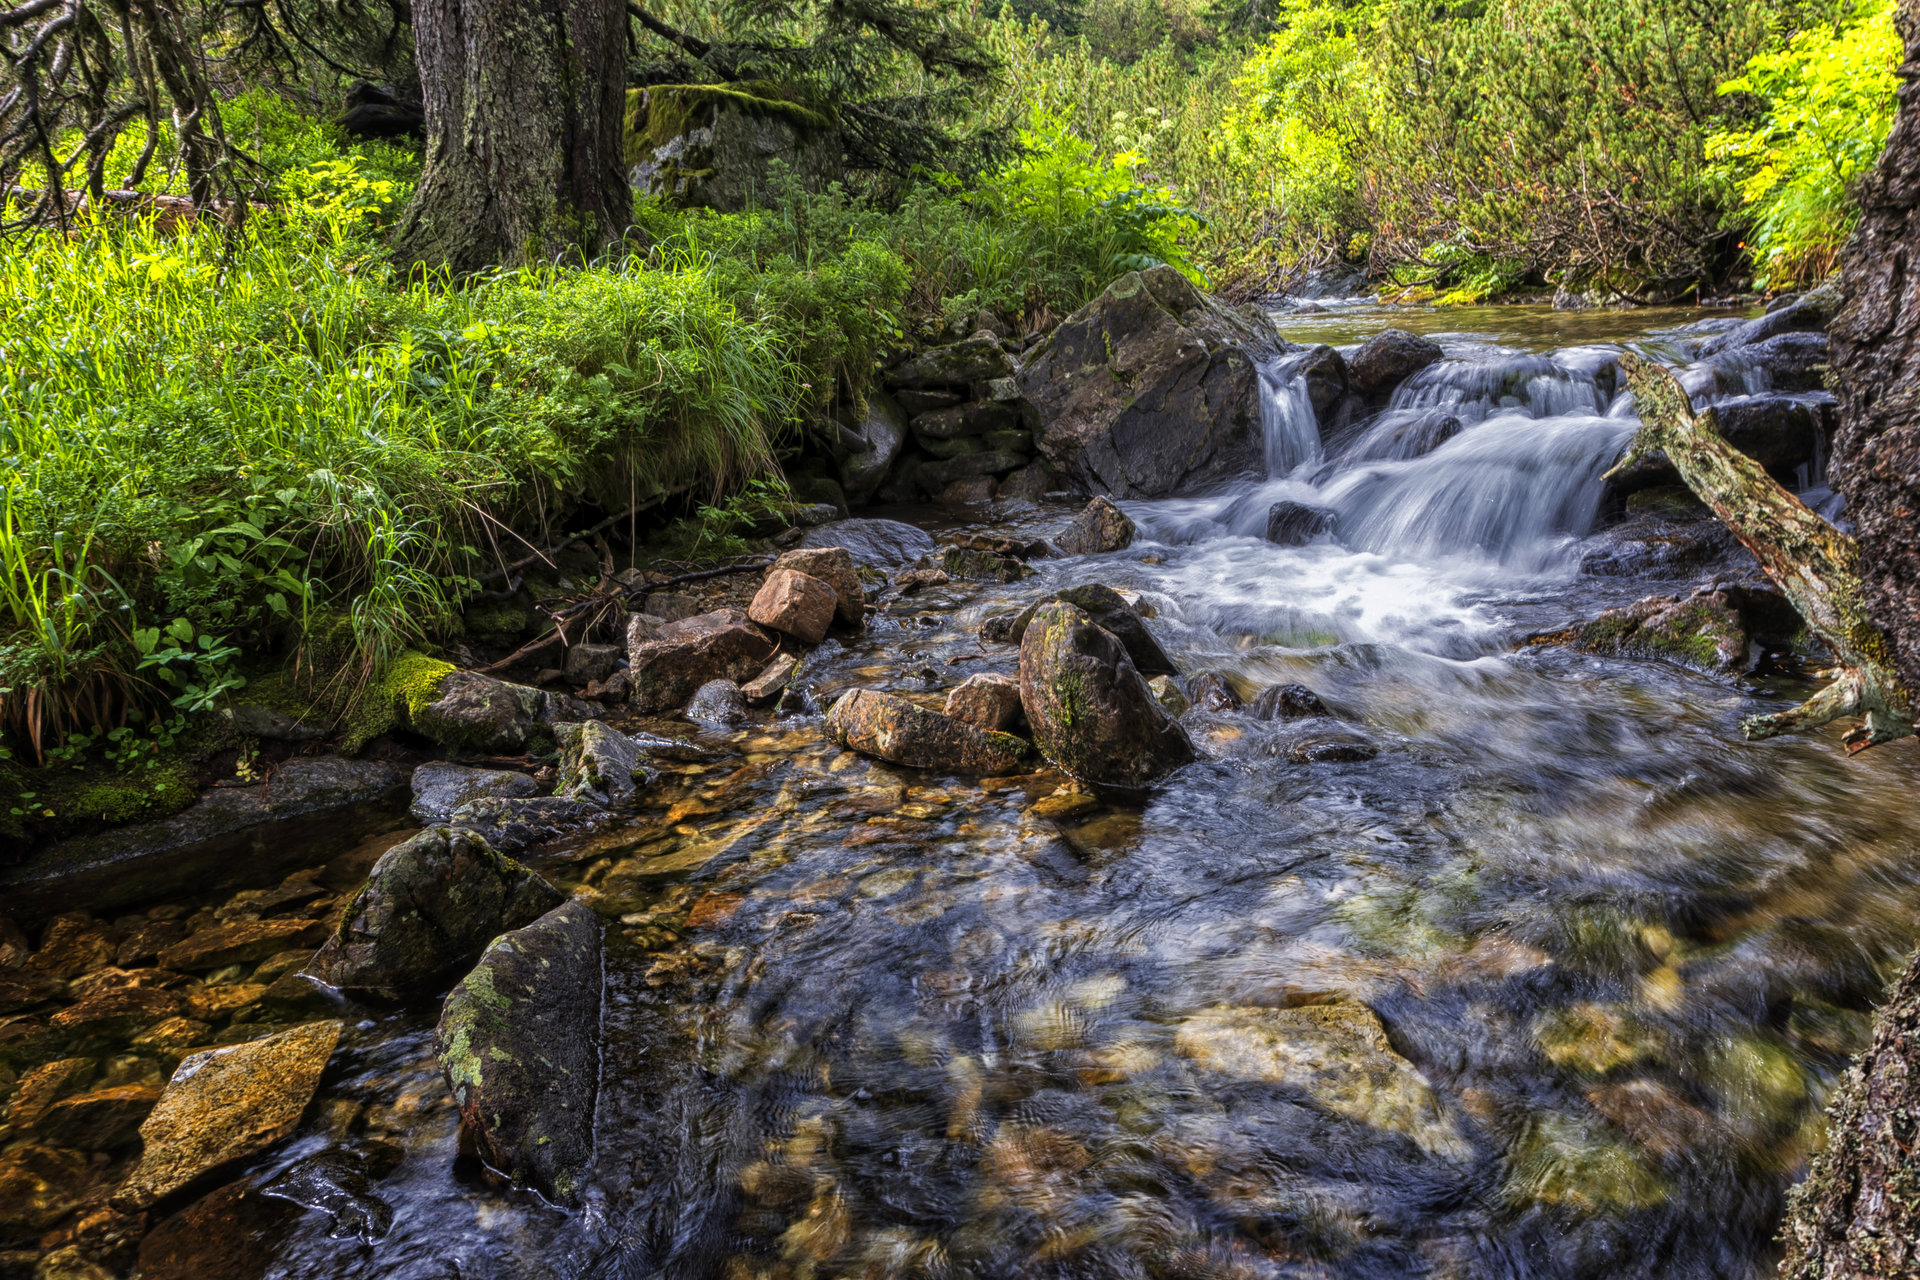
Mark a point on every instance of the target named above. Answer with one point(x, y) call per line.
point(1815, 565)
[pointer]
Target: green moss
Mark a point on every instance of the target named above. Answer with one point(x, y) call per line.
point(496, 620)
point(406, 688)
point(656, 115)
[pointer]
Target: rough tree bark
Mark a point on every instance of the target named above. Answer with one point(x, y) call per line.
point(1814, 564)
point(524, 102)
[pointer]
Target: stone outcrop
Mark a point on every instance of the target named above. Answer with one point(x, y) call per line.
point(429, 906)
point(1150, 389)
point(681, 656)
point(1091, 711)
point(891, 728)
point(519, 1042)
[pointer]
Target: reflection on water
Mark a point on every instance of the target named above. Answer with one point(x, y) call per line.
point(1555, 985)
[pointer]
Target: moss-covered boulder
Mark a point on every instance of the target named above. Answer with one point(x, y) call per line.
point(519, 1043)
point(889, 727)
point(429, 906)
point(1109, 611)
point(1707, 631)
point(1091, 710)
point(598, 764)
point(462, 710)
point(954, 367)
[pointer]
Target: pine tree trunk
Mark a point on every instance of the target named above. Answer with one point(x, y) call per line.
point(524, 102)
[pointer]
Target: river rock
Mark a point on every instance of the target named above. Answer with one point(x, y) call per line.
point(519, 1041)
point(884, 544)
point(1090, 708)
point(719, 703)
point(115, 1014)
point(439, 788)
point(1388, 359)
point(1812, 310)
point(1337, 746)
point(1295, 524)
point(73, 944)
point(1169, 694)
point(1031, 483)
point(768, 684)
point(835, 567)
point(597, 764)
point(891, 728)
point(474, 712)
point(43, 1086)
point(1099, 528)
point(1150, 389)
point(1667, 534)
point(225, 1105)
point(1288, 702)
point(592, 663)
point(231, 1231)
point(1781, 433)
point(1211, 691)
point(798, 604)
point(978, 564)
point(1337, 1055)
point(1793, 361)
point(240, 942)
point(974, 418)
point(955, 367)
point(1329, 387)
point(98, 1120)
point(429, 906)
point(682, 656)
point(1703, 630)
point(39, 1185)
point(880, 432)
point(339, 1182)
point(1109, 610)
point(513, 824)
point(987, 701)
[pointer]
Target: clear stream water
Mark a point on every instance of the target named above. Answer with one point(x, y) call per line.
point(924, 1027)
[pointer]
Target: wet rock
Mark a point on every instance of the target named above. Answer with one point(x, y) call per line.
point(972, 492)
point(1334, 747)
point(923, 401)
point(974, 418)
point(144, 941)
point(1168, 693)
point(172, 1038)
point(225, 1105)
point(1099, 528)
point(1032, 483)
point(955, 367)
point(230, 1232)
point(100, 1120)
point(1211, 691)
point(24, 988)
point(893, 729)
point(833, 566)
point(768, 684)
point(473, 712)
point(440, 788)
point(1295, 524)
point(1090, 708)
point(73, 944)
point(720, 703)
point(429, 906)
point(1337, 1055)
point(915, 579)
point(43, 1086)
point(113, 1015)
point(1560, 1160)
point(1813, 310)
point(241, 942)
point(339, 1182)
point(512, 825)
point(1387, 359)
point(797, 604)
point(1793, 361)
point(39, 1185)
point(935, 475)
point(1703, 630)
point(1329, 387)
point(1149, 389)
point(880, 432)
point(233, 836)
point(1781, 433)
point(587, 663)
point(884, 544)
point(1108, 609)
point(519, 1042)
point(1663, 541)
point(1288, 702)
point(969, 564)
point(682, 656)
point(597, 764)
point(987, 701)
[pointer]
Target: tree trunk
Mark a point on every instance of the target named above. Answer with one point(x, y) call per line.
point(524, 102)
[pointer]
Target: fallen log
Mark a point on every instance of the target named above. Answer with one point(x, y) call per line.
point(1814, 564)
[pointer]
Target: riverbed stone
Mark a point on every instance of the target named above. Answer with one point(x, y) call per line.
point(98, 1120)
point(23, 988)
point(240, 942)
point(1100, 527)
point(514, 824)
point(1090, 708)
point(43, 1086)
point(1150, 389)
point(1386, 360)
point(114, 1014)
point(1793, 361)
point(1167, 691)
point(1703, 630)
point(778, 675)
point(1288, 702)
point(597, 763)
point(1332, 746)
point(1030, 483)
point(1109, 610)
point(975, 564)
point(518, 1041)
point(717, 703)
point(587, 663)
point(796, 604)
point(1337, 1054)
point(439, 787)
point(988, 701)
point(73, 944)
point(39, 1185)
point(891, 728)
point(974, 418)
point(835, 567)
point(681, 656)
point(225, 1105)
point(429, 906)
point(1295, 524)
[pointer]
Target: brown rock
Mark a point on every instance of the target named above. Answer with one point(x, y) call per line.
point(1091, 710)
point(902, 732)
point(74, 943)
point(987, 701)
point(38, 1186)
point(232, 1232)
point(1100, 527)
point(116, 1013)
point(242, 942)
point(227, 1104)
point(798, 604)
point(172, 1038)
point(211, 1004)
point(967, 491)
point(100, 1120)
point(777, 676)
point(24, 988)
point(45, 1085)
point(682, 656)
point(147, 940)
point(833, 566)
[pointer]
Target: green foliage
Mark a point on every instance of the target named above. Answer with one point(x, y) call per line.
point(1827, 101)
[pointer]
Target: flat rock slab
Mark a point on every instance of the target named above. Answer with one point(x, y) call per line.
point(519, 1041)
point(234, 837)
point(225, 1105)
point(891, 728)
point(241, 942)
point(439, 788)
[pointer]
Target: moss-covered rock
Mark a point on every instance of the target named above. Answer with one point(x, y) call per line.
point(1091, 710)
point(597, 763)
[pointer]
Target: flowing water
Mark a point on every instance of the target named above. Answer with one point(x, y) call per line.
point(867, 1022)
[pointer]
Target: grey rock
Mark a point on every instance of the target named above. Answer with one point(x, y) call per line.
point(270, 724)
point(962, 420)
point(1100, 528)
point(1386, 360)
point(440, 788)
point(475, 712)
point(587, 663)
point(718, 703)
point(1288, 702)
point(1294, 524)
point(1092, 712)
point(956, 367)
point(883, 544)
point(514, 825)
point(682, 656)
point(882, 429)
point(597, 764)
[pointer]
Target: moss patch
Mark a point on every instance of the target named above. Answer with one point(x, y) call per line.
point(407, 687)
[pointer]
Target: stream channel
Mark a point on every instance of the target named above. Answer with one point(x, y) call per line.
point(862, 1021)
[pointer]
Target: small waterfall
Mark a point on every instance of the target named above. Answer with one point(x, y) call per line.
point(1503, 381)
point(1287, 420)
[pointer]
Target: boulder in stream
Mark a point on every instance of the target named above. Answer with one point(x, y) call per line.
point(1108, 608)
point(429, 906)
point(891, 728)
point(987, 701)
point(681, 656)
point(439, 788)
point(1288, 702)
point(796, 604)
point(885, 544)
point(1295, 524)
point(598, 764)
point(835, 567)
point(1388, 359)
point(519, 1042)
point(1090, 708)
point(1100, 528)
